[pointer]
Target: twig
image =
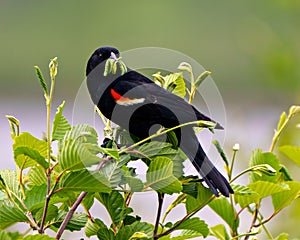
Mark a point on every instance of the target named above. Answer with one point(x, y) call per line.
point(48, 196)
point(75, 205)
point(70, 214)
point(253, 221)
point(185, 218)
point(160, 204)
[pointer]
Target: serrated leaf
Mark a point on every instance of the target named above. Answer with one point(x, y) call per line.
point(4, 235)
point(203, 196)
point(219, 231)
point(244, 195)
point(11, 182)
point(283, 199)
point(115, 205)
point(135, 184)
point(79, 148)
point(265, 189)
point(42, 80)
point(92, 227)
point(29, 151)
point(85, 181)
point(9, 214)
point(185, 234)
point(112, 171)
point(37, 176)
point(60, 124)
point(153, 149)
point(292, 152)
point(76, 223)
point(175, 84)
point(224, 209)
point(194, 224)
point(135, 230)
point(259, 158)
point(38, 237)
point(105, 234)
point(160, 176)
point(35, 197)
point(114, 153)
point(190, 188)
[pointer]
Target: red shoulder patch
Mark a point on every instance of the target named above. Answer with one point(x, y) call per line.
point(115, 95)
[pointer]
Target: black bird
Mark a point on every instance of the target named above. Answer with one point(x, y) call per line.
point(136, 103)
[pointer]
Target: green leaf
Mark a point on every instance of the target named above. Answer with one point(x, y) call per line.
point(292, 152)
point(10, 214)
point(136, 230)
point(281, 121)
point(282, 236)
point(105, 234)
point(135, 184)
point(190, 188)
point(60, 124)
point(114, 153)
point(221, 151)
point(112, 171)
point(87, 181)
point(201, 78)
point(185, 234)
point(37, 176)
point(14, 125)
point(219, 231)
point(284, 198)
point(115, 205)
point(175, 84)
point(11, 182)
point(184, 66)
point(79, 148)
point(154, 149)
point(224, 209)
point(92, 227)
point(38, 237)
point(42, 80)
point(265, 189)
point(259, 158)
point(244, 195)
point(4, 235)
point(194, 224)
point(160, 176)
point(29, 151)
point(76, 223)
point(203, 196)
point(35, 197)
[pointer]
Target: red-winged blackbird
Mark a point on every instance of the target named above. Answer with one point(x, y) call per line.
point(136, 103)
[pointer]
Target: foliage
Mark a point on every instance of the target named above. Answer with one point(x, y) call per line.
point(47, 187)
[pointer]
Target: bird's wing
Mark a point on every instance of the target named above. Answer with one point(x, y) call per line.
point(134, 88)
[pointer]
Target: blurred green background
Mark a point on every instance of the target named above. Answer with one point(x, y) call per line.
point(252, 48)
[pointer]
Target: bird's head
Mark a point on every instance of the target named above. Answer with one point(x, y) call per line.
point(101, 55)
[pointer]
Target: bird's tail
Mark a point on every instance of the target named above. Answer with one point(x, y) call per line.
point(213, 178)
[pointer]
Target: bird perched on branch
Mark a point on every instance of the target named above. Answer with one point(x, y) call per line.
point(136, 103)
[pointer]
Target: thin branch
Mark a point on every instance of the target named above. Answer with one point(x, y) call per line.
point(170, 230)
point(253, 221)
point(76, 204)
point(70, 214)
point(48, 196)
point(160, 204)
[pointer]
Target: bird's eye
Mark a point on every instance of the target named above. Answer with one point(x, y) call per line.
point(100, 55)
